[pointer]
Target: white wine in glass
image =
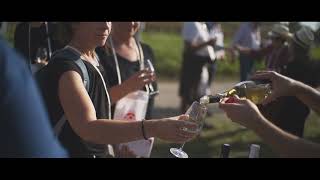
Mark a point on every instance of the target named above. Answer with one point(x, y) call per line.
point(151, 88)
point(197, 113)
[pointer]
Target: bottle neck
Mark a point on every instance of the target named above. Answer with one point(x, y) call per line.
point(254, 151)
point(225, 150)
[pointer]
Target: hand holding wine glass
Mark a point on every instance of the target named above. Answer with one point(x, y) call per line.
point(197, 113)
point(151, 88)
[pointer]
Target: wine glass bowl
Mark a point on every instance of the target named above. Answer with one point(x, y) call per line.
point(197, 113)
point(151, 88)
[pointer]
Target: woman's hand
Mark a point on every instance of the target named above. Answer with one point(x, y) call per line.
point(176, 129)
point(241, 111)
point(139, 80)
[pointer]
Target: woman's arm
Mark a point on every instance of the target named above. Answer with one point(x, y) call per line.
point(81, 115)
point(247, 114)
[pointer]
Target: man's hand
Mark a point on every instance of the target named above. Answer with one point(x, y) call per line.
point(241, 111)
point(281, 85)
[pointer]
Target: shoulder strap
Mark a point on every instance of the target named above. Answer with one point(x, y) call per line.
point(141, 59)
point(141, 55)
point(69, 53)
point(86, 80)
point(59, 125)
point(75, 56)
point(48, 39)
point(115, 60)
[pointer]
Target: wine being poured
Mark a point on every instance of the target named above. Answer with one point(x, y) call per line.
point(256, 91)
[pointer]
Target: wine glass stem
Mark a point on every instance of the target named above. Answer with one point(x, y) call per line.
point(182, 146)
point(151, 87)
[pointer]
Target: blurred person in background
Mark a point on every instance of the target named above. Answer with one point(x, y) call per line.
point(247, 38)
point(25, 130)
point(284, 143)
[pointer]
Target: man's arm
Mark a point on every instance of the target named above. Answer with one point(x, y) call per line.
point(190, 32)
point(308, 95)
point(284, 86)
point(246, 113)
point(193, 47)
point(286, 144)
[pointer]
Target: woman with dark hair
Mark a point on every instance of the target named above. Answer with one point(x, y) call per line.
point(89, 128)
point(123, 67)
point(36, 41)
point(125, 59)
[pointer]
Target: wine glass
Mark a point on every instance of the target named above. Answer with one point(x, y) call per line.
point(197, 113)
point(41, 56)
point(151, 88)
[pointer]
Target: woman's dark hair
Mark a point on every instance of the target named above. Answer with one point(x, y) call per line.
point(64, 32)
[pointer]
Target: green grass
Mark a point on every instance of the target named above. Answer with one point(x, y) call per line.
point(9, 35)
point(168, 52)
point(209, 143)
point(315, 53)
point(168, 49)
point(167, 46)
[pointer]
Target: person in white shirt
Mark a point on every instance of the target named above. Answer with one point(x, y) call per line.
point(247, 38)
point(198, 51)
point(216, 32)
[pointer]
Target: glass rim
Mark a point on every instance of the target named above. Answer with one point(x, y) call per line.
point(199, 104)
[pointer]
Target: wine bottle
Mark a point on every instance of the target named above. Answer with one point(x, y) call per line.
point(225, 150)
point(256, 91)
point(254, 151)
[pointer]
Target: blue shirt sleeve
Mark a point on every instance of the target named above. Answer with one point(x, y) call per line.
point(237, 40)
point(25, 130)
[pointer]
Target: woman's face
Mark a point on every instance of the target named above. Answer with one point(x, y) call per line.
point(95, 33)
point(125, 29)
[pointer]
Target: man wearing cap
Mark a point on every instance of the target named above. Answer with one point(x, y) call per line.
point(288, 112)
point(277, 53)
point(300, 66)
point(247, 38)
point(282, 142)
